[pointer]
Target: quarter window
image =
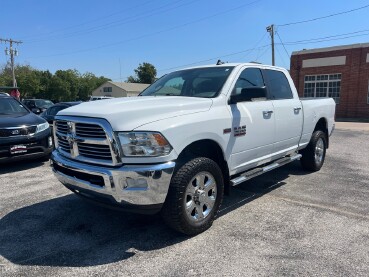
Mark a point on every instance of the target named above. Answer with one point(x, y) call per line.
point(326, 85)
point(279, 86)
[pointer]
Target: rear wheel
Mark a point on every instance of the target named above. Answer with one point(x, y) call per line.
point(313, 155)
point(194, 196)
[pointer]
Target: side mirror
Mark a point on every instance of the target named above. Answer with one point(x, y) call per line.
point(248, 94)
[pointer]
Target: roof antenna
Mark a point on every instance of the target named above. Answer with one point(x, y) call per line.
point(219, 62)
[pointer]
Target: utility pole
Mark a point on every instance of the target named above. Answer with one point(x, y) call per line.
point(270, 30)
point(12, 52)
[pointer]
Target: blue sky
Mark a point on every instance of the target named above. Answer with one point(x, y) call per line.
point(112, 37)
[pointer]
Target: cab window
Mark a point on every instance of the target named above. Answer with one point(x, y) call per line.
point(279, 87)
point(250, 77)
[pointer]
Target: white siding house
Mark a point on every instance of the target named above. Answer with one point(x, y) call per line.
point(119, 89)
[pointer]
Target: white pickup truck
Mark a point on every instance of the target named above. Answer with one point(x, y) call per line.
point(185, 140)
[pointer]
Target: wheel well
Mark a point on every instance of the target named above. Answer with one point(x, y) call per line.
point(209, 149)
point(322, 125)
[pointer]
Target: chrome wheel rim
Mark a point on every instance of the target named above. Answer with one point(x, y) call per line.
point(200, 197)
point(319, 151)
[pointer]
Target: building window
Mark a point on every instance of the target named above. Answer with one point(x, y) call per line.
point(108, 89)
point(327, 85)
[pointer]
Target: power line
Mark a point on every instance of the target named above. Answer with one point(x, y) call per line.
point(265, 48)
point(262, 53)
point(259, 48)
point(256, 44)
point(288, 55)
point(208, 59)
point(323, 40)
point(322, 17)
point(87, 22)
point(279, 54)
point(150, 34)
point(115, 23)
point(332, 36)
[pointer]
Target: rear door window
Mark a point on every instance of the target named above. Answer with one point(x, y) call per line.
point(279, 87)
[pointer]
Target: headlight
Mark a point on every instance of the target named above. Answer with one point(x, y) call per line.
point(42, 127)
point(145, 144)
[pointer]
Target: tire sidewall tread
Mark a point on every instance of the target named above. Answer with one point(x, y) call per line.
point(173, 211)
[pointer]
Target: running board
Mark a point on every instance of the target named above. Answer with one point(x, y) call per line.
point(261, 170)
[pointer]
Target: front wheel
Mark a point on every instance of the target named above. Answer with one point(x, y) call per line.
point(313, 155)
point(194, 196)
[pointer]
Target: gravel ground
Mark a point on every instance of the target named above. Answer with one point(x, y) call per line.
point(287, 222)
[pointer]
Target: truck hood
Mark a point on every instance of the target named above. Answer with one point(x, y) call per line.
point(126, 114)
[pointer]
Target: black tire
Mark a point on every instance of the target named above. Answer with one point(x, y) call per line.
point(175, 210)
point(311, 161)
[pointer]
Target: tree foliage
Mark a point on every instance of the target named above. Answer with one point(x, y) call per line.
point(64, 85)
point(145, 74)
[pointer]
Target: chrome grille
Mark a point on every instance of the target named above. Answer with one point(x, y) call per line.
point(94, 151)
point(63, 144)
point(83, 139)
point(89, 130)
point(62, 127)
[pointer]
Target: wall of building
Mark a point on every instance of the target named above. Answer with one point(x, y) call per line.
point(116, 91)
point(354, 79)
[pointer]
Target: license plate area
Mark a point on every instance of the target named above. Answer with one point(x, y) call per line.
point(18, 149)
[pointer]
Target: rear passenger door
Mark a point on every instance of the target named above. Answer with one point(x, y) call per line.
point(287, 112)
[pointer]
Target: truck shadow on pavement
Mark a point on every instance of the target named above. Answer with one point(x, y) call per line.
point(67, 231)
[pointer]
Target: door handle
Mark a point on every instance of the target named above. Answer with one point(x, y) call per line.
point(297, 109)
point(266, 113)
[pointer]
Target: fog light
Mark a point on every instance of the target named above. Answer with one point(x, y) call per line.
point(50, 141)
point(140, 183)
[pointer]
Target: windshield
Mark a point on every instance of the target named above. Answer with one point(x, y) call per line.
point(198, 82)
point(11, 106)
point(43, 103)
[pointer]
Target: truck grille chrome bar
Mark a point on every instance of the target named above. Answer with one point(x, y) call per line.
point(87, 140)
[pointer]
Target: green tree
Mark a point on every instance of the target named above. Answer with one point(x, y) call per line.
point(89, 82)
point(59, 90)
point(64, 85)
point(145, 74)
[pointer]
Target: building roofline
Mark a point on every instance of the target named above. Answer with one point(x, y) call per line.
point(329, 49)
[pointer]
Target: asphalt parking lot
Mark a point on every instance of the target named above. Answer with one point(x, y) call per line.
point(287, 222)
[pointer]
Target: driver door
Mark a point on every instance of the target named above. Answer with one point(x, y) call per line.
point(253, 125)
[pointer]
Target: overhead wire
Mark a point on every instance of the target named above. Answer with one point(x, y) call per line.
point(288, 55)
point(322, 17)
point(115, 23)
point(150, 34)
point(87, 22)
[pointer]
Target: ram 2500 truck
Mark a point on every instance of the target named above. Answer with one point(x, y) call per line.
point(186, 139)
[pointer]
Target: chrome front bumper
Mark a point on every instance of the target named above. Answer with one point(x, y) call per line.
point(138, 185)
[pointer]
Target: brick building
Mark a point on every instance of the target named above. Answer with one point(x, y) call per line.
point(341, 72)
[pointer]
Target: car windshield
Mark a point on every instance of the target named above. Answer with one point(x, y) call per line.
point(199, 82)
point(43, 103)
point(11, 106)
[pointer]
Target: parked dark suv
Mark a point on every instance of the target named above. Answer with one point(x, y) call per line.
point(23, 134)
point(37, 106)
point(51, 112)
